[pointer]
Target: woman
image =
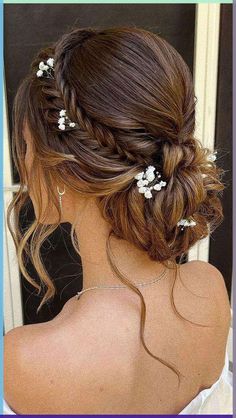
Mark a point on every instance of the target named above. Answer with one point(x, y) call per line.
point(104, 139)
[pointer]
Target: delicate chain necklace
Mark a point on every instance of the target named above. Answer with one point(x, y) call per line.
point(159, 277)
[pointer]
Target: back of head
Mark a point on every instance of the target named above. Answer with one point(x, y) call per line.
point(132, 97)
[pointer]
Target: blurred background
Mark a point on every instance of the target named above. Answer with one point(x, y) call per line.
point(202, 34)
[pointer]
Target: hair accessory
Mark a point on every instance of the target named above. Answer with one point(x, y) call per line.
point(64, 121)
point(145, 178)
point(212, 157)
point(186, 222)
point(46, 70)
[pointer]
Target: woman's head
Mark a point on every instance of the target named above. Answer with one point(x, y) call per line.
point(132, 96)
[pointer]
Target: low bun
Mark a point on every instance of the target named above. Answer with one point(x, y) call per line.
point(176, 156)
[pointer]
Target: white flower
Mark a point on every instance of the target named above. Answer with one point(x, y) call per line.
point(150, 168)
point(141, 183)
point(39, 73)
point(41, 65)
point(72, 124)
point(142, 189)
point(62, 127)
point(181, 222)
point(157, 186)
point(50, 62)
point(139, 176)
point(61, 120)
point(212, 157)
point(148, 194)
point(150, 176)
point(46, 67)
point(145, 178)
point(62, 112)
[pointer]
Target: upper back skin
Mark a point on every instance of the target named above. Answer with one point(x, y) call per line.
point(90, 360)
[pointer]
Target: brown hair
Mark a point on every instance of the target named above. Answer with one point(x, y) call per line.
point(132, 95)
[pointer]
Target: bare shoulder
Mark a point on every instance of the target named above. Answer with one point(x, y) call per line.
point(17, 364)
point(79, 359)
point(210, 275)
point(205, 278)
point(22, 348)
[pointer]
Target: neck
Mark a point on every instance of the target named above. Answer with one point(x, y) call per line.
point(92, 233)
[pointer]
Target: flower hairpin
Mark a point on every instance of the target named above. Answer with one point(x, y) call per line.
point(145, 178)
point(186, 222)
point(64, 121)
point(46, 70)
point(212, 157)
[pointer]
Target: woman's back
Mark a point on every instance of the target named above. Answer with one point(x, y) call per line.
point(90, 360)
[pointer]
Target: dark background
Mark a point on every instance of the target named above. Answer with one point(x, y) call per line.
point(32, 26)
point(221, 241)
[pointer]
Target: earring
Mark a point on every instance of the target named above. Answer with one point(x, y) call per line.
point(60, 196)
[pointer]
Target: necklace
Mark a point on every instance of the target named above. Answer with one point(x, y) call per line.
point(159, 277)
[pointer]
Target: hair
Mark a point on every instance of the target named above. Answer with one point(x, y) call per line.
point(132, 95)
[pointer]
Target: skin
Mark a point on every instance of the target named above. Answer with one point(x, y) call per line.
point(89, 359)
